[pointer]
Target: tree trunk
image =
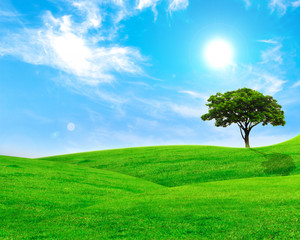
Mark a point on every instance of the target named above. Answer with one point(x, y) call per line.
point(247, 145)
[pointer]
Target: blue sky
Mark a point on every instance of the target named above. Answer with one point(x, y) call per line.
point(87, 75)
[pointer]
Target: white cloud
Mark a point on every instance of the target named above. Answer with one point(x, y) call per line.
point(7, 14)
point(279, 5)
point(165, 109)
point(142, 4)
point(64, 45)
point(296, 4)
point(267, 76)
point(91, 12)
point(296, 84)
point(81, 43)
point(272, 41)
point(175, 5)
point(261, 79)
point(195, 94)
point(118, 2)
point(187, 111)
point(272, 54)
point(266, 82)
point(273, 51)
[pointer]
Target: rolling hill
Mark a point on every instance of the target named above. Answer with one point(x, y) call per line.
point(167, 192)
point(181, 165)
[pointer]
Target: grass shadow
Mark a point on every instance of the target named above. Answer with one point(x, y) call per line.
point(277, 163)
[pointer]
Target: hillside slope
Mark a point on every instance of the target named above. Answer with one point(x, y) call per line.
point(182, 165)
point(253, 208)
point(70, 197)
point(49, 200)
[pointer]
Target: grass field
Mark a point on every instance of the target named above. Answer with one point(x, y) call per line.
point(168, 192)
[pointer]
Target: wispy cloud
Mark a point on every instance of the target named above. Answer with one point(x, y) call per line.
point(268, 74)
point(195, 94)
point(272, 41)
point(91, 12)
point(296, 84)
point(281, 6)
point(175, 5)
point(268, 83)
point(82, 42)
point(296, 4)
point(273, 53)
point(7, 14)
point(142, 4)
point(165, 109)
point(278, 6)
point(64, 45)
point(187, 111)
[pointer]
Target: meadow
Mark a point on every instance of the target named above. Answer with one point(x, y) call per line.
point(164, 192)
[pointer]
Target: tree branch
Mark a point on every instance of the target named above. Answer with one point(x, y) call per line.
point(241, 133)
point(246, 124)
point(240, 124)
point(253, 126)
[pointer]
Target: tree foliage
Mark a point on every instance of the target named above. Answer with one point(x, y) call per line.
point(245, 107)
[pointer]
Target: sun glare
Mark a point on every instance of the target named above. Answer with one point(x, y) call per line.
point(218, 53)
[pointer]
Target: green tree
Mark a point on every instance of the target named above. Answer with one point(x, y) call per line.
point(245, 107)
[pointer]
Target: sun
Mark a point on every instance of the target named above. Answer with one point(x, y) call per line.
point(218, 53)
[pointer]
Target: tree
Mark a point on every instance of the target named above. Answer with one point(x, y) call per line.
point(245, 107)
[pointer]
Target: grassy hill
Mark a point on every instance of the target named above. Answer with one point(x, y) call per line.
point(168, 192)
point(181, 165)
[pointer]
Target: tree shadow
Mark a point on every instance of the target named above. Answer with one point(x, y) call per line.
point(277, 163)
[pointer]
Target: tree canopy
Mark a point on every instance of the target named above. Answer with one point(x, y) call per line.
point(245, 107)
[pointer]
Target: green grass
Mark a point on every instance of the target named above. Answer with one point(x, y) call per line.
point(182, 165)
point(169, 192)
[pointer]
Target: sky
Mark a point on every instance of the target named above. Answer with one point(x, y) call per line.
point(84, 75)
